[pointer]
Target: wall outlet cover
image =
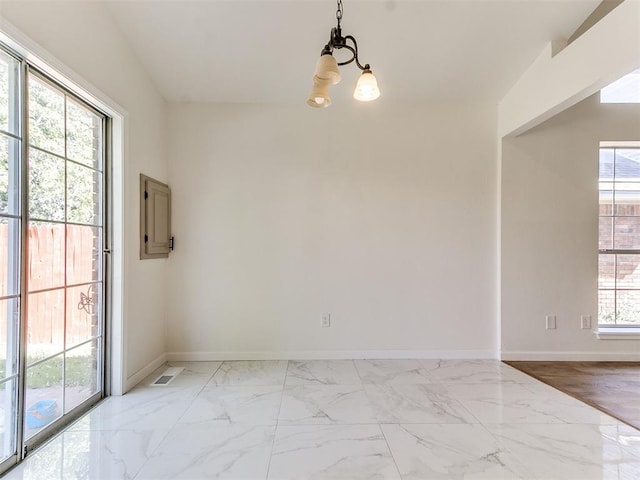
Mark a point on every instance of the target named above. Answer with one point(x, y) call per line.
point(551, 322)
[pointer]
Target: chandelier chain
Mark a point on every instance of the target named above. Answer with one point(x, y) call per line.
point(339, 12)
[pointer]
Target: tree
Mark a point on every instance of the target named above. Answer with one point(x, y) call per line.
point(59, 128)
point(4, 154)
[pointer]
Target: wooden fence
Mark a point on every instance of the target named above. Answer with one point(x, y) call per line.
point(57, 311)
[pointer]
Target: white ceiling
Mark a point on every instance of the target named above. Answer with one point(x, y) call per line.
point(265, 50)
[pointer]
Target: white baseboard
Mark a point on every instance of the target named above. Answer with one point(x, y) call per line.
point(329, 355)
point(144, 372)
point(141, 374)
point(572, 356)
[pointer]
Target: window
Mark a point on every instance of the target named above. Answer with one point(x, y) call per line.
point(619, 237)
point(624, 90)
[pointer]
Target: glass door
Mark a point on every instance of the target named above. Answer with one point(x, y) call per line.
point(10, 253)
point(64, 310)
point(51, 256)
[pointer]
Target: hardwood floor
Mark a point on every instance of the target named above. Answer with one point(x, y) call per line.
point(612, 387)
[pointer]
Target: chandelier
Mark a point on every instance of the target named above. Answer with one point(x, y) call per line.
point(327, 72)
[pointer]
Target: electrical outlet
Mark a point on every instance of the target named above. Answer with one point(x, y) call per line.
point(325, 321)
point(585, 322)
point(551, 322)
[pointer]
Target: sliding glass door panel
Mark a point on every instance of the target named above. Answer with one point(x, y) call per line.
point(11, 247)
point(44, 395)
point(52, 270)
point(82, 374)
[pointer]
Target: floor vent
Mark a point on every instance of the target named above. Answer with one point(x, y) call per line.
point(167, 376)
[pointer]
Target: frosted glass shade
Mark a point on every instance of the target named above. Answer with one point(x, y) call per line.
point(367, 87)
point(319, 96)
point(327, 69)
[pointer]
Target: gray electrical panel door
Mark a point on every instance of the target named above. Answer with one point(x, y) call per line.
point(155, 219)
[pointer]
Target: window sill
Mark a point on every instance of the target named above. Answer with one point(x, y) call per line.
point(630, 333)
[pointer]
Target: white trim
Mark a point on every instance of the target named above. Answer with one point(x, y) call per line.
point(618, 333)
point(498, 243)
point(48, 63)
point(329, 355)
point(144, 372)
point(572, 356)
point(118, 351)
point(615, 144)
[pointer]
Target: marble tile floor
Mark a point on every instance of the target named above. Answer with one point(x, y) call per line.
point(341, 419)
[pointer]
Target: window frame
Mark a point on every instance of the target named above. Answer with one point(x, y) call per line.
point(615, 330)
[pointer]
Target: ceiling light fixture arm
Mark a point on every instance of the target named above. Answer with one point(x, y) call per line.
point(338, 42)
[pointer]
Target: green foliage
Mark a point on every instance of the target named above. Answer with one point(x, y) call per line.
point(58, 126)
point(82, 194)
point(49, 174)
point(80, 372)
point(4, 158)
point(4, 176)
point(628, 313)
point(46, 186)
point(4, 94)
point(82, 135)
point(46, 117)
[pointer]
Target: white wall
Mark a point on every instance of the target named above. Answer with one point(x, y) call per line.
point(82, 36)
point(382, 216)
point(550, 233)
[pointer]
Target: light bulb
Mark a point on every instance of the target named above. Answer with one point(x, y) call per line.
point(319, 96)
point(367, 87)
